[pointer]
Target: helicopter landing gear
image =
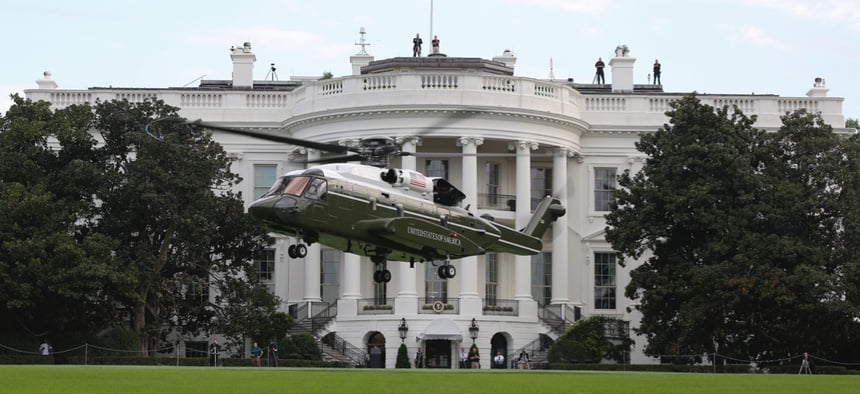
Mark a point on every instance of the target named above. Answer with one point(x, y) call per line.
point(447, 271)
point(297, 251)
point(382, 276)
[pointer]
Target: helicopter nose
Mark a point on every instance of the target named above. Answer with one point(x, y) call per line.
point(273, 209)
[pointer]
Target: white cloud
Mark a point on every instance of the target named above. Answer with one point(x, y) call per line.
point(756, 36)
point(575, 6)
point(826, 11)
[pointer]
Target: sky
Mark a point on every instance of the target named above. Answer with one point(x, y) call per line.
point(709, 46)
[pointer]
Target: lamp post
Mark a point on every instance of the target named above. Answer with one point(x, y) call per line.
point(473, 330)
point(403, 329)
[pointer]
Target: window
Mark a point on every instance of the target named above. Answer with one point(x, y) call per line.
point(264, 177)
point(380, 289)
point(491, 171)
point(435, 288)
point(541, 185)
point(437, 168)
point(316, 190)
point(604, 184)
point(330, 275)
point(265, 264)
point(296, 186)
point(604, 280)
point(492, 280)
point(542, 278)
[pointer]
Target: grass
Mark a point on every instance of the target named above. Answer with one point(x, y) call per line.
point(144, 379)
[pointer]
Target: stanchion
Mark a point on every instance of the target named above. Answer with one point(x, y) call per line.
point(86, 352)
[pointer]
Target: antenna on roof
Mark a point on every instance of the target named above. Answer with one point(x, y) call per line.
point(551, 75)
point(194, 80)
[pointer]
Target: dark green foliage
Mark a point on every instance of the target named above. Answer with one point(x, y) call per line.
point(301, 347)
point(749, 239)
point(587, 342)
point(270, 327)
point(402, 357)
point(136, 222)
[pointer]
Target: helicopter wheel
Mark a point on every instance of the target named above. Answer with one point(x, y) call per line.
point(292, 251)
point(376, 276)
point(451, 271)
point(301, 250)
point(385, 276)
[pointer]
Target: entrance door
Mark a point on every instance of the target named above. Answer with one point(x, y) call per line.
point(437, 353)
point(376, 350)
point(499, 344)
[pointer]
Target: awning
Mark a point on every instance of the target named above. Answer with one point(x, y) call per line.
point(441, 329)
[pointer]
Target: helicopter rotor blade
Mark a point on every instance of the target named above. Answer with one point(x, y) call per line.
point(276, 138)
point(335, 159)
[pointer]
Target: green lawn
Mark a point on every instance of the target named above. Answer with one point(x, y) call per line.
point(132, 379)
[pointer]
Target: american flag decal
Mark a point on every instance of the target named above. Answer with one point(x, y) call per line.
point(418, 180)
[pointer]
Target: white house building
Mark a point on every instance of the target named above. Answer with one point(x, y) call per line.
point(566, 139)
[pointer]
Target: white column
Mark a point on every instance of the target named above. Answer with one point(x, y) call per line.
point(406, 302)
point(470, 302)
point(522, 265)
point(312, 260)
point(560, 263)
point(351, 276)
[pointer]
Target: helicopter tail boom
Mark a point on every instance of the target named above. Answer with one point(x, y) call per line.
point(547, 212)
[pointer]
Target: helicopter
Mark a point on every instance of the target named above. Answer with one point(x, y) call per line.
point(384, 213)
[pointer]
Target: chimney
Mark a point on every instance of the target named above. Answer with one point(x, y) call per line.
point(243, 66)
point(506, 57)
point(818, 89)
point(622, 69)
point(46, 82)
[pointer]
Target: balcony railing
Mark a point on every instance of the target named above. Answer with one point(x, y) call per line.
point(372, 306)
point(527, 94)
point(448, 306)
point(503, 202)
point(499, 307)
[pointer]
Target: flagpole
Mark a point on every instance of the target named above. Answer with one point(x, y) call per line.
point(431, 20)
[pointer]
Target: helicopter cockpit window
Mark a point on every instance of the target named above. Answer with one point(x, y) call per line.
point(316, 190)
point(276, 188)
point(297, 186)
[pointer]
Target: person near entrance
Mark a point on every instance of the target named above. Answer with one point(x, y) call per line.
point(464, 357)
point(499, 360)
point(523, 360)
point(419, 359)
point(474, 358)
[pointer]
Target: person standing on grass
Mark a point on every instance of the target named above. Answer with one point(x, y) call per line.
point(256, 353)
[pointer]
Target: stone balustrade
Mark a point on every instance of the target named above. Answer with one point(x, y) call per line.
point(519, 94)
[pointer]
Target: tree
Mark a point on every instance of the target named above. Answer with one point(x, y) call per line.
point(302, 347)
point(142, 222)
point(742, 233)
point(181, 233)
point(588, 341)
point(402, 357)
point(55, 275)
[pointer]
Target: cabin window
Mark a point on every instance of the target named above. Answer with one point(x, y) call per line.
point(542, 278)
point(437, 168)
point(604, 280)
point(296, 186)
point(265, 176)
point(604, 184)
point(316, 190)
